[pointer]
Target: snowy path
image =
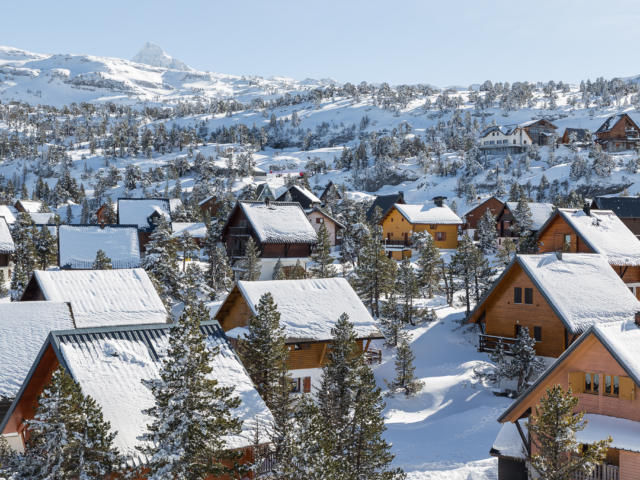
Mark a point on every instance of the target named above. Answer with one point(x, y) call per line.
point(446, 431)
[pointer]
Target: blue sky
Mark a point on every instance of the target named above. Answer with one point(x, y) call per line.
point(439, 42)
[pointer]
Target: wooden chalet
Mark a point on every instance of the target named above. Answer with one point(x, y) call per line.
point(556, 296)
point(384, 203)
point(309, 309)
point(264, 192)
point(403, 220)
point(7, 249)
point(331, 193)
point(210, 206)
point(602, 370)
point(281, 231)
point(540, 131)
point(594, 231)
point(296, 193)
point(100, 361)
point(540, 212)
point(578, 136)
point(318, 217)
point(28, 206)
point(143, 212)
point(626, 208)
point(617, 133)
point(473, 216)
point(196, 230)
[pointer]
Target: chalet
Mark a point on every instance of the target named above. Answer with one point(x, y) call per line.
point(556, 296)
point(504, 139)
point(540, 131)
point(210, 206)
point(281, 230)
point(473, 216)
point(9, 213)
point(7, 248)
point(296, 193)
point(196, 230)
point(309, 309)
point(264, 191)
point(28, 206)
point(100, 297)
point(331, 193)
point(540, 212)
point(618, 132)
point(578, 136)
point(594, 231)
point(143, 212)
point(403, 220)
point(42, 218)
point(24, 326)
point(384, 203)
point(110, 364)
point(317, 216)
point(602, 370)
point(626, 209)
point(79, 244)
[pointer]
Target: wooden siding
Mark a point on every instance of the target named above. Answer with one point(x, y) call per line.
point(501, 314)
point(552, 238)
point(629, 465)
point(473, 216)
point(396, 227)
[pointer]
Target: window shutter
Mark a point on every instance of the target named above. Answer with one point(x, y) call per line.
point(627, 388)
point(306, 384)
point(576, 382)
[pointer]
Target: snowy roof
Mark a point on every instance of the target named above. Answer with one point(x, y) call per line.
point(136, 211)
point(307, 193)
point(9, 213)
point(31, 206)
point(78, 245)
point(504, 129)
point(109, 364)
point(310, 308)
point(508, 443)
point(279, 222)
point(582, 288)
point(6, 241)
point(611, 122)
point(622, 206)
point(625, 433)
point(24, 326)
point(104, 297)
point(195, 229)
point(174, 204)
point(428, 213)
point(540, 212)
point(44, 218)
point(210, 197)
point(384, 203)
point(605, 233)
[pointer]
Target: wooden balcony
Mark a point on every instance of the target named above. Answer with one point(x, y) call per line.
point(373, 356)
point(601, 472)
point(397, 243)
point(489, 343)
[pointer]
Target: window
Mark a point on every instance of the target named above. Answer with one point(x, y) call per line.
point(528, 296)
point(517, 295)
point(433, 227)
point(319, 220)
point(591, 383)
point(537, 334)
point(514, 141)
point(441, 236)
point(611, 385)
point(306, 384)
point(295, 385)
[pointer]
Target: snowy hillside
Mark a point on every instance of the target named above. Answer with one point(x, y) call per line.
point(152, 54)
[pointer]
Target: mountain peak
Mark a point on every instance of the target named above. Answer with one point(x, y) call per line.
point(152, 54)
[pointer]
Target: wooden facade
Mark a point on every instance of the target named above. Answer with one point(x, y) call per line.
point(473, 216)
point(589, 355)
point(541, 131)
point(210, 206)
point(618, 133)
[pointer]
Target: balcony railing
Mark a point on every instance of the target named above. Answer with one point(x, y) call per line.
point(489, 343)
point(601, 472)
point(373, 356)
point(398, 243)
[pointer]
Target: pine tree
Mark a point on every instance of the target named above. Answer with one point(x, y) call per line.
point(249, 265)
point(160, 261)
point(192, 413)
point(525, 366)
point(429, 264)
point(4, 291)
point(45, 247)
point(264, 351)
point(553, 430)
point(375, 272)
point(464, 265)
point(522, 225)
point(405, 380)
point(323, 261)
point(506, 252)
point(9, 459)
point(102, 262)
point(278, 271)
point(391, 321)
point(487, 232)
point(85, 214)
point(68, 436)
point(192, 284)
point(407, 288)
point(24, 255)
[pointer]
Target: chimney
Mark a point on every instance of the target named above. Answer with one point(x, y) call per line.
point(439, 201)
point(587, 208)
point(637, 319)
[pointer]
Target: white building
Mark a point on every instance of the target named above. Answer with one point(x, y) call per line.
point(504, 139)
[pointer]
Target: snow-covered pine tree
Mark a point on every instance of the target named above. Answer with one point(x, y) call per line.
point(553, 427)
point(464, 265)
point(322, 260)
point(375, 272)
point(405, 380)
point(391, 321)
point(160, 261)
point(278, 271)
point(85, 213)
point(407, 288)
point(525, 365)
point(249, 265)
point(102, 262)
point(192, 413)
point(4, 291)
point(25, 254)
point(192, 284)
point(487, 232)
point(263, 350)
point(522, 225)
point(68, 436)
point(9, 459)
point(429, 264)
point(506, 252)
point(45, 246)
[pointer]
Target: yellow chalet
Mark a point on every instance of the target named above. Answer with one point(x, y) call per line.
point(403, 220)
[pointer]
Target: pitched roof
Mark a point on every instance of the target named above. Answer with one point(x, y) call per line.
point(9, 213)
point(302, 191)
point(42, 218)
point(109, 364)
point(623, 207)
point(611, 122)
point(326, 214)
point(174, 204)
point(104, 297)
point(136, 211)
point(310, 308)
point(540, 212)
point(31, 206)
point(582, 288)
point(24, 326)
point(79, 244)
point(279, 222)
point(195, 229)
point(428, 212)
point(330, 186)
point(605, 233)
point(385, 202)
point(6, 241)
point(581, 134)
